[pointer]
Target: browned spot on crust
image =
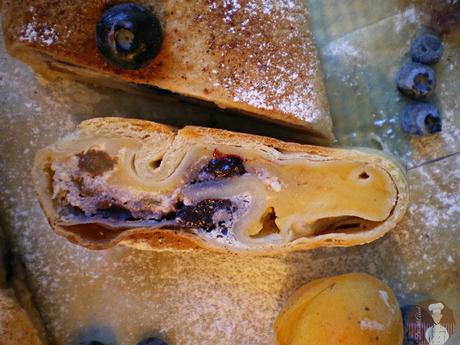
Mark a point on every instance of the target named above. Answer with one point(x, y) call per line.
point(164, 239)
point(93, 232)
point(95, 162)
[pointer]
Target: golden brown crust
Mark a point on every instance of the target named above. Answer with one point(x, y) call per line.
point(19, 321)
point(181, 239)
point(257, 57)
point(361, 306)
point(15, 326)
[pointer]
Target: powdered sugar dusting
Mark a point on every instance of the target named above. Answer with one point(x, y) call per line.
point(193, 297)
point(431, 221)
point(189, 298)
point(409, 15)
point(267, 57)
point(342, 47)
point(41, 33)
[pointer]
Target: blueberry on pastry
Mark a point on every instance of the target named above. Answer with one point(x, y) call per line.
point(256, 57)
point(128, 35)
point(152, 186)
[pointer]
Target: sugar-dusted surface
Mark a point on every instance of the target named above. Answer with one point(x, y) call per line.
point(256, 56)
point(204, 298)
point(274, 69)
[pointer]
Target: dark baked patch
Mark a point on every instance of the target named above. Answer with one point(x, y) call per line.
point(204, 215)
point(95, 162)
point(222, 166)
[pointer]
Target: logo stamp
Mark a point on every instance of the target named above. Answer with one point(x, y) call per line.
point(428, 323)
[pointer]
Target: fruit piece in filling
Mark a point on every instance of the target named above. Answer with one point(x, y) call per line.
point(222, 166)
point(87, 192)
point(95, 162)
point(227, 194)
point(206, 214)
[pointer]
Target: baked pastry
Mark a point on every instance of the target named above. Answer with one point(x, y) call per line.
point(17, 327)
point(256, 57)
point(350, 309)
point(152, 186)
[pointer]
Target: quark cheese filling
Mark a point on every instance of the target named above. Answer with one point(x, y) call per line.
point(223, 193)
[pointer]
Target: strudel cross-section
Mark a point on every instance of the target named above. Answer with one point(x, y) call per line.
point(152, 186)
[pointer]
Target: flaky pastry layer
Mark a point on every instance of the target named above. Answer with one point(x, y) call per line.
point(152, 186)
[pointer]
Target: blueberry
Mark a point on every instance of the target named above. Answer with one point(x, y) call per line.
point(201, 215)
point(426, 48)
point(421, 119)
point(222, 166)
point(152, 341)
point(128, 35)
point(416, 80)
